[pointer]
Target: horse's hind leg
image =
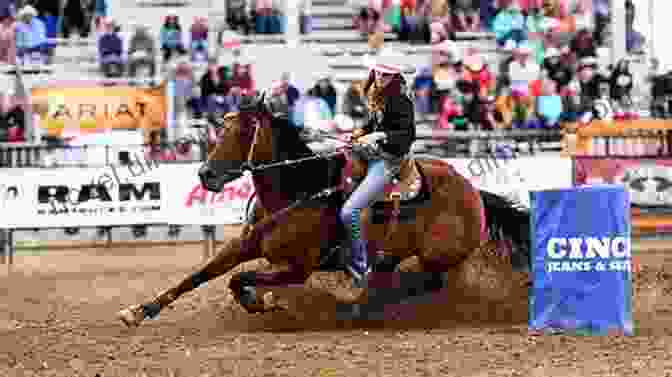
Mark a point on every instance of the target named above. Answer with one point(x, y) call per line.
point(237, 251)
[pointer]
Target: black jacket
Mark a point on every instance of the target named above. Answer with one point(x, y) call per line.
point(398, 123)
point(209, 87)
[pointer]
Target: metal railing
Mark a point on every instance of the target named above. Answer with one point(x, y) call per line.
point(27, 155)
point(442, 143)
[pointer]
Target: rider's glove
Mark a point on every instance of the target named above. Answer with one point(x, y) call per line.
point(372, 137)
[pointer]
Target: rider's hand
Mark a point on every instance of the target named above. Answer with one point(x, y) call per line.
point(371, 138)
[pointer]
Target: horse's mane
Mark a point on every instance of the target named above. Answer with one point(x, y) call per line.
point(296, 180)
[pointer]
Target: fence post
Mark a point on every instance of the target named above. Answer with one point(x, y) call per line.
point(108, 237)
point(208, 241)
point(3, 246)
point(10, 246)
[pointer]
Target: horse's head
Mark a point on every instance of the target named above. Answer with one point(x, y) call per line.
point(245, 138)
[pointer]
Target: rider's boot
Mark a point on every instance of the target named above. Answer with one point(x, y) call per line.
point(359, 267)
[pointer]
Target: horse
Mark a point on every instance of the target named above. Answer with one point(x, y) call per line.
point(430, 220)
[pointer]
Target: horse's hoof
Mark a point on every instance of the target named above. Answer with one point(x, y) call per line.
point(131, 316)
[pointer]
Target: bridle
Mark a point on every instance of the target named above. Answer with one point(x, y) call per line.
point(249, 168)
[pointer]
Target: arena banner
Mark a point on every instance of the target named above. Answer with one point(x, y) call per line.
point(188, 203)
point(648, 180)
point(581, 250)
point(514, 177)
point(77, 197)
point(97, 108)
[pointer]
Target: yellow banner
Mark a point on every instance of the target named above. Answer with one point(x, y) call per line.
point(94, 109)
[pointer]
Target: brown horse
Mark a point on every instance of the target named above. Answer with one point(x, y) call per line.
point(433, 215)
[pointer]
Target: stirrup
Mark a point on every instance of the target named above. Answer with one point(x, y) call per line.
point(360, 280)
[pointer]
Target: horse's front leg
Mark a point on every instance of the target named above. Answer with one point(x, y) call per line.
point(237, 251)
point(246, 285)
point(293, 248)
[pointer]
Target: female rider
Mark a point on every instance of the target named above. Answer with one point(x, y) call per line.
point(387, 136)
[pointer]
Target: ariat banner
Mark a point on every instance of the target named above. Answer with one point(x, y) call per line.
point(96, 108)
point(581, 250)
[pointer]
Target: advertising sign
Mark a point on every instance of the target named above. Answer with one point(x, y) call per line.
point(649, 182)
point(515, 177)
point(72, 197)
point(581, 250)
point(188, 203)
point(96, 108)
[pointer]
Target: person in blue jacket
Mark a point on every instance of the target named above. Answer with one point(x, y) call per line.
point(31, 33)
point(110, 50)
point(509, 24)
point(171, 37)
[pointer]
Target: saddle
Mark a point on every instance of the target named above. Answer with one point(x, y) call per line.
point(406, 183)
point(408, 191)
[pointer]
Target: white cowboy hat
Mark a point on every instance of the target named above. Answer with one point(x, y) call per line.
point(27, 10)
point(588, 61)
point(387, 61)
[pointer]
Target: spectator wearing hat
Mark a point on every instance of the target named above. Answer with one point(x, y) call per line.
point(31, 33)
point(171, 37)
point(556, 70)
point(7, 38)
point(141, 50)
point(75, 16)
point(324, 89)
point(523, 72)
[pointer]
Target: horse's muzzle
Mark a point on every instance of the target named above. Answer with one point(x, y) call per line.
point(210, 180)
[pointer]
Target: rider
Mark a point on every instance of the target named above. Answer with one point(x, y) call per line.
point(389, 134)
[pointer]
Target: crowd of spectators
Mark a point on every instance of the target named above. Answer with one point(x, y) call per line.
point(547, 72)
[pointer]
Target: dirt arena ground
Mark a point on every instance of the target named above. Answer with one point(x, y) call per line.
point(57, 319)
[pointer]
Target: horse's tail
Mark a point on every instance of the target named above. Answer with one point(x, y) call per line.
point(509, 221)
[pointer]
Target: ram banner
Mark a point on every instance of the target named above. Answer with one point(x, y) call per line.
point(80, 197)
